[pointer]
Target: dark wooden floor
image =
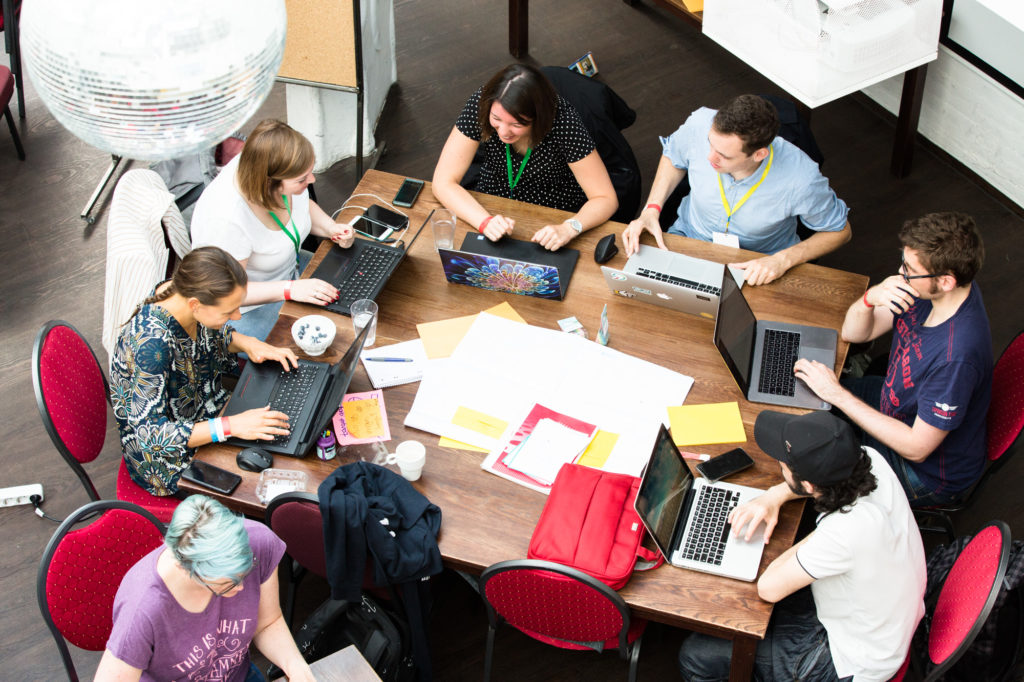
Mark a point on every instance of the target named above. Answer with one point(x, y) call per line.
point(53, 266)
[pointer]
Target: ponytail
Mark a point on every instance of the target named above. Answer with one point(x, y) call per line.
point(208, 274)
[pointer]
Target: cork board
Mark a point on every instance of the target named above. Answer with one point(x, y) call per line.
point(320, 46)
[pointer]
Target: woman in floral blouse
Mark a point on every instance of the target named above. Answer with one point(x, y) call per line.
point(165, 378)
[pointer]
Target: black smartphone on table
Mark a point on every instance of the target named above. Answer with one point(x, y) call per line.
point(211, 477)
point(407, 193)
point(379, 223)
point(732, 462)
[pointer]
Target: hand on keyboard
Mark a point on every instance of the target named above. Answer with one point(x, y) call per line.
point(314, 291)
point(648, 220)
point(260, 423)
point(763, 270)
point(261, 351)
point(820, 379)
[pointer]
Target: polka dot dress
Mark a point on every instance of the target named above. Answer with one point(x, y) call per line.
point(547, 179)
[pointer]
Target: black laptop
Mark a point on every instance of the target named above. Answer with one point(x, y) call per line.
point(361, 270)
point(309, 394)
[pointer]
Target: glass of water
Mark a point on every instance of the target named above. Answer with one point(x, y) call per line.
point(364, 312)
point(443, 225)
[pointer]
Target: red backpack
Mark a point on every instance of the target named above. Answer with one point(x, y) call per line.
point(589, 523)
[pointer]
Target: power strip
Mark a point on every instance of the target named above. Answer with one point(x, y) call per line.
point(20, 494)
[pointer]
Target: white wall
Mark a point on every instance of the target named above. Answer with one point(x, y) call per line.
point(971, 117)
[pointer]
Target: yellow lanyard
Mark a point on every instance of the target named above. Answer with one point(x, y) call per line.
point(725, 202)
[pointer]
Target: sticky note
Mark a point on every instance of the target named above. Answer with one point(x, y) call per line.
point(458, 445)
point(707, 424)
point(492, 427)
point(441, 337)
point(363, 418)
point(597, 452)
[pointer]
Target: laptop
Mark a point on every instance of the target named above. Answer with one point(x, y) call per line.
point(361, 270)
point(760, 354)
point(688, 517)
point(511, 266)
point(670, 280)
point(309, 395)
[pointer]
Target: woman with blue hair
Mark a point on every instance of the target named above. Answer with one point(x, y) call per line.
point(189, 609)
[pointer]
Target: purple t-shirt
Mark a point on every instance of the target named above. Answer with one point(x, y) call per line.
point(943, 375)
point(154, 633)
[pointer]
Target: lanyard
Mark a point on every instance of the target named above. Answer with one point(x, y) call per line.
point(725, 202)
point(508, 162)
point(293, 235)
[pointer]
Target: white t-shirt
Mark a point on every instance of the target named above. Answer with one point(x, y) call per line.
point(869, 570)
point(223, 218)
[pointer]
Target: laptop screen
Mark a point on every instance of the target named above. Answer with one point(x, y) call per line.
point(663, 491)
point(734, 331)
point(341, 377)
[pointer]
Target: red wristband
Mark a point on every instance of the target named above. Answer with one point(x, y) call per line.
point(653, 206)
point(225, 426)
point(288, 290)
point(483, 224)
point(865, 299)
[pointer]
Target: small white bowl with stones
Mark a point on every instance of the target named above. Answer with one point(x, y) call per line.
point(313, 334)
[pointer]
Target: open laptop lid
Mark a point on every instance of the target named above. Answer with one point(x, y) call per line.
point(564, 259)
point(663, 490)
point(736, 332)
point(507, 275)
point(337, 385)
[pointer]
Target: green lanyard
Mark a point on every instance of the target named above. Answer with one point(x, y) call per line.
point(725, 202)
point(292, 234)
point(508, 162)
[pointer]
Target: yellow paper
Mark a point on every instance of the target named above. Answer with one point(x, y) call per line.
point(362, 418)
point(707, 424)
point(597, 452)
point(458, 445)
point(492, 427)
point(694, 5)
point(441, 337)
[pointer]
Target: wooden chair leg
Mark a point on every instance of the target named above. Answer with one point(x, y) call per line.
point(14, 132)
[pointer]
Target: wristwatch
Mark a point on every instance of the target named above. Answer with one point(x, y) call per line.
point(575, 224)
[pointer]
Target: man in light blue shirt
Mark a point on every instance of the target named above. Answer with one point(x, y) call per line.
point(748, 186)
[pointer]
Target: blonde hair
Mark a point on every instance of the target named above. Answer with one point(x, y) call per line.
point(272, 153)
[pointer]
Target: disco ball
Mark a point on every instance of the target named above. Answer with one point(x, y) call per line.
point(153, 80)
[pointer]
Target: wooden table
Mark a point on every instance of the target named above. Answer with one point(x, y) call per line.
point(344, 665)
point(488, 519)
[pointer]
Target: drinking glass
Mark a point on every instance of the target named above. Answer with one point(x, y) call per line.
point(364, 312)
point(442, 223)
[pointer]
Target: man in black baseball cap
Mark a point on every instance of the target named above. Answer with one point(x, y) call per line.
point(864, 562)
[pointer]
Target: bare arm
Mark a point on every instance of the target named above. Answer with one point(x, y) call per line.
point(113, 669)
point(315, 291)
point(456, 157)
point(784, 576)
point(601, 202)
point(272, 637)
point(322, 226)
point(867, 321)
point(666, 179)
point(769, 268)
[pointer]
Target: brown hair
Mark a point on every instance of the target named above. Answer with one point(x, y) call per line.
point(753, 119)
point(272, 153)
point(208, 274)
point(524, 92)
point(947, 244)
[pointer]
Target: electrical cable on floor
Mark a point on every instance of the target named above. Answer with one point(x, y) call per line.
point(37, 502)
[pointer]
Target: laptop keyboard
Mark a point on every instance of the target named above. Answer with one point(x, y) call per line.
point(710, 527)
point(290, 394)
point(680, 282)
point(372, 265)
point(781, 351)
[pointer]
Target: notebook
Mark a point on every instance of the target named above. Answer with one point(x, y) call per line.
point(361, 270)
point(511, 266)
point(395, 371)
point(309, 395)
point(760, 353)
point(688, 517)
point(670, 280)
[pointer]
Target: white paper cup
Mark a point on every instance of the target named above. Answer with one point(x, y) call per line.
point(410, 456)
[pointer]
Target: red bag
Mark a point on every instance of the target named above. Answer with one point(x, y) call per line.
point(589, 523)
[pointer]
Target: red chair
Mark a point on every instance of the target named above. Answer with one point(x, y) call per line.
point(561, 606)
point(1005, 421)
point(82, 568)
point(72, 396)
point(295, 518)
point(964, 603)
point(6, 91)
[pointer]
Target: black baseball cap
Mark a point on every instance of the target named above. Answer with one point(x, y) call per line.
point(818, 447)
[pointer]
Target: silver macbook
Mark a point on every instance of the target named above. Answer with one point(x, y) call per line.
point(670, 280)
point(761, 354)
point(688, 517)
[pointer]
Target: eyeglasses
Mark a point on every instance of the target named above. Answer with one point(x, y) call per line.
point(234, 583)
point(907, 278)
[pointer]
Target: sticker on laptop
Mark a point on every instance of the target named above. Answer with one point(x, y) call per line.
point(618, 276)
point(641, 290)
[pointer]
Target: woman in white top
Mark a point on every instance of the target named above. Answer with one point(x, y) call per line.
point(258, 210)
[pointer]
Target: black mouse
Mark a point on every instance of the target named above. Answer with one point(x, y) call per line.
point(605, 249)
point(254, 459)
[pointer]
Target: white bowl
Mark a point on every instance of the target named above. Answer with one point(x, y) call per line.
point(313, 334)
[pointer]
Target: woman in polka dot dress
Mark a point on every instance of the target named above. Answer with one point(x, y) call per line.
point(536, 150)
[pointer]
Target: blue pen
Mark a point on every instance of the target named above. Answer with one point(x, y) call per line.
point(390, 359)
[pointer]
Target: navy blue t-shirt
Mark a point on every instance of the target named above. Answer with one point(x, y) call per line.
point(943, 375)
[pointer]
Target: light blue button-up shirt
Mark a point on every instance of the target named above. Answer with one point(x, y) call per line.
point(766, 222)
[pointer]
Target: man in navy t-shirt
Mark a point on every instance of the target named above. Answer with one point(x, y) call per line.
point(927, 417)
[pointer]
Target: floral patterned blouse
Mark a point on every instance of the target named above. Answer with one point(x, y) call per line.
point(162, 383)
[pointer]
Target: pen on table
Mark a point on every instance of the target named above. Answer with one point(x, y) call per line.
point(390, 359)
point(694, 455)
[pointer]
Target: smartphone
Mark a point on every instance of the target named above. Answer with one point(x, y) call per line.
point(407, 193)
point(379, 223)
point(725, 465)
point(211, 477)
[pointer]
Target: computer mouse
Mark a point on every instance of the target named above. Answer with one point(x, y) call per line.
point(605, 249)
point(254, 459)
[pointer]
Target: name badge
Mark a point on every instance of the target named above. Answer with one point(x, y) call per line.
point(723, 239)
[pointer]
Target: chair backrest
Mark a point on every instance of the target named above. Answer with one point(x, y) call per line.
point(1006, 411)
point(295, 518)
point(71, 394)
point(82, 568)
point(556, 601)
point(967, 596)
